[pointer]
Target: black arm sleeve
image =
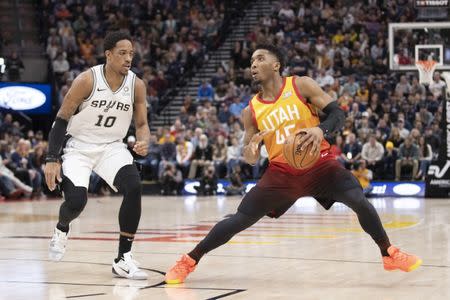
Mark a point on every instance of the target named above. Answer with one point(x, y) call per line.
point(334, 120)
point(56, 139)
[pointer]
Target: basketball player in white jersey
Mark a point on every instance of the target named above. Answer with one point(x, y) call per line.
point(89, 128)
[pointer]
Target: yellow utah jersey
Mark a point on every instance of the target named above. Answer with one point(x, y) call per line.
point(283, 116)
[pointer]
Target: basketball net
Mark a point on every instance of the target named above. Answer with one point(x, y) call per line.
point(426, 70)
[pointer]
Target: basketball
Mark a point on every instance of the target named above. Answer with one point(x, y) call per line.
point(296, 158)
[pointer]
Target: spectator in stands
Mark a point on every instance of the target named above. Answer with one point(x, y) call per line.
point(168, 154)
point(408, 155)
point(224, 113)
point(404, 133)
point(433, 140)
point(184, 154)
point(8, 177)
point(14, 66)
point(337, 147)
point(205, 92)
point(351, 152)
point(234, 155)
point(364, 128)
point(202, 156)
point(395, 137)
point(220, 150)
point(372, 153)
point(21, 159)
point(236, 187)
point(403, 87)
point(324, 79)
point(7, 125)
point(171, 180)
point(417, 87)
point(190, 107)
point(208, 182)
point(60, 66)
point(351, 86)
point(364, 176)
point(236, 107)
point(195, 140)
point(425, 156)
point(436, 85)
point(389, 160)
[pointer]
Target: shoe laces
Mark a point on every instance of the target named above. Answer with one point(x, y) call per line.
point(400, 256)
point(182, 266)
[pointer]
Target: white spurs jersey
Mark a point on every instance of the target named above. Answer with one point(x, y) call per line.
point(105, 116)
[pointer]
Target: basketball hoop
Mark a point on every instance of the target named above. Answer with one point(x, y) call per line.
point(426, 69)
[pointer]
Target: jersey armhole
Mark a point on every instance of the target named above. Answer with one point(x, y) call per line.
point(297, 92)
point(93, 85)
point(252, 110)
point(133, 83)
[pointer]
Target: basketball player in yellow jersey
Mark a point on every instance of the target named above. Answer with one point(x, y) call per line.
point(287, 106)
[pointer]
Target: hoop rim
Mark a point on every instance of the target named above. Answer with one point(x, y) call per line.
point(426, 65)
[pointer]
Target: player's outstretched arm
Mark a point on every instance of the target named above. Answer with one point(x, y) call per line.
point(334, 115)
point(140, 119)
point(80, 90)
point(252, 137)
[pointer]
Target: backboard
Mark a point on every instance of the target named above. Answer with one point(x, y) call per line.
point(409, 42)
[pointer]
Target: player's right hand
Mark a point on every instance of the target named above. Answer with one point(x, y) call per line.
point(52, 171)
point(257, 139)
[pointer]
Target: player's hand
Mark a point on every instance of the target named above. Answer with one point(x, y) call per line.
point(313, 136)
point(257, 139)
point(52, 171)
point(141, 148)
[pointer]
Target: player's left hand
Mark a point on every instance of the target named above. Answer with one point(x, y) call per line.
point(141, 148)
point(313, 136)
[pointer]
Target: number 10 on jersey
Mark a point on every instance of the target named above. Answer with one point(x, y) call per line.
point(109, 121)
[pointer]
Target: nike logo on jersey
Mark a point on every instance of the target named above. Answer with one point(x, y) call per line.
point(324, 154)
point(100, 90)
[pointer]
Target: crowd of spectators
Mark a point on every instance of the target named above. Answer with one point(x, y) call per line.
point(171, 38)
point(392, 121)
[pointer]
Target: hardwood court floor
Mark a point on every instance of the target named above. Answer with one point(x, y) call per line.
point(309, 253)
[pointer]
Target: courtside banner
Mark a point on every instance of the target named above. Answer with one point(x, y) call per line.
point(438, 175)
point(29, 98)
point(380, 188)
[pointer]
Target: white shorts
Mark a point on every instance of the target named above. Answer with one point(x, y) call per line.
point(80, 159)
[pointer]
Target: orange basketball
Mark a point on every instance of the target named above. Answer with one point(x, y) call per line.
point(296, 158)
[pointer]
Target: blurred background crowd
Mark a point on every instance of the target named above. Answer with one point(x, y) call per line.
point(391, 129)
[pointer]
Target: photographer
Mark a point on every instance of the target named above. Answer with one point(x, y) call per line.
point(236, 186)
point(208, 182)
point(171, 180)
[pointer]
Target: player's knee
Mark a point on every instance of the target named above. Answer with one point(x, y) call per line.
point(128, 180)
point(356, 200)
point(75, 196)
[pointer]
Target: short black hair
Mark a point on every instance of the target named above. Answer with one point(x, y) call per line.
point(275, 51)
point(113, 37)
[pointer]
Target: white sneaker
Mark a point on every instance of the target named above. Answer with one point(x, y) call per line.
point(127, 267)
point(58, 245)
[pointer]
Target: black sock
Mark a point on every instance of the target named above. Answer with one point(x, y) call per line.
point(63, 228)
point(384, 245)
point(125, 243)
point(196, 254)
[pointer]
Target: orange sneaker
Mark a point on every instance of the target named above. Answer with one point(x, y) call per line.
point(179, 272)
point(400, 260)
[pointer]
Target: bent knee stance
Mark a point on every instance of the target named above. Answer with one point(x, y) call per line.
point(75, 199)
point(75, 196)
